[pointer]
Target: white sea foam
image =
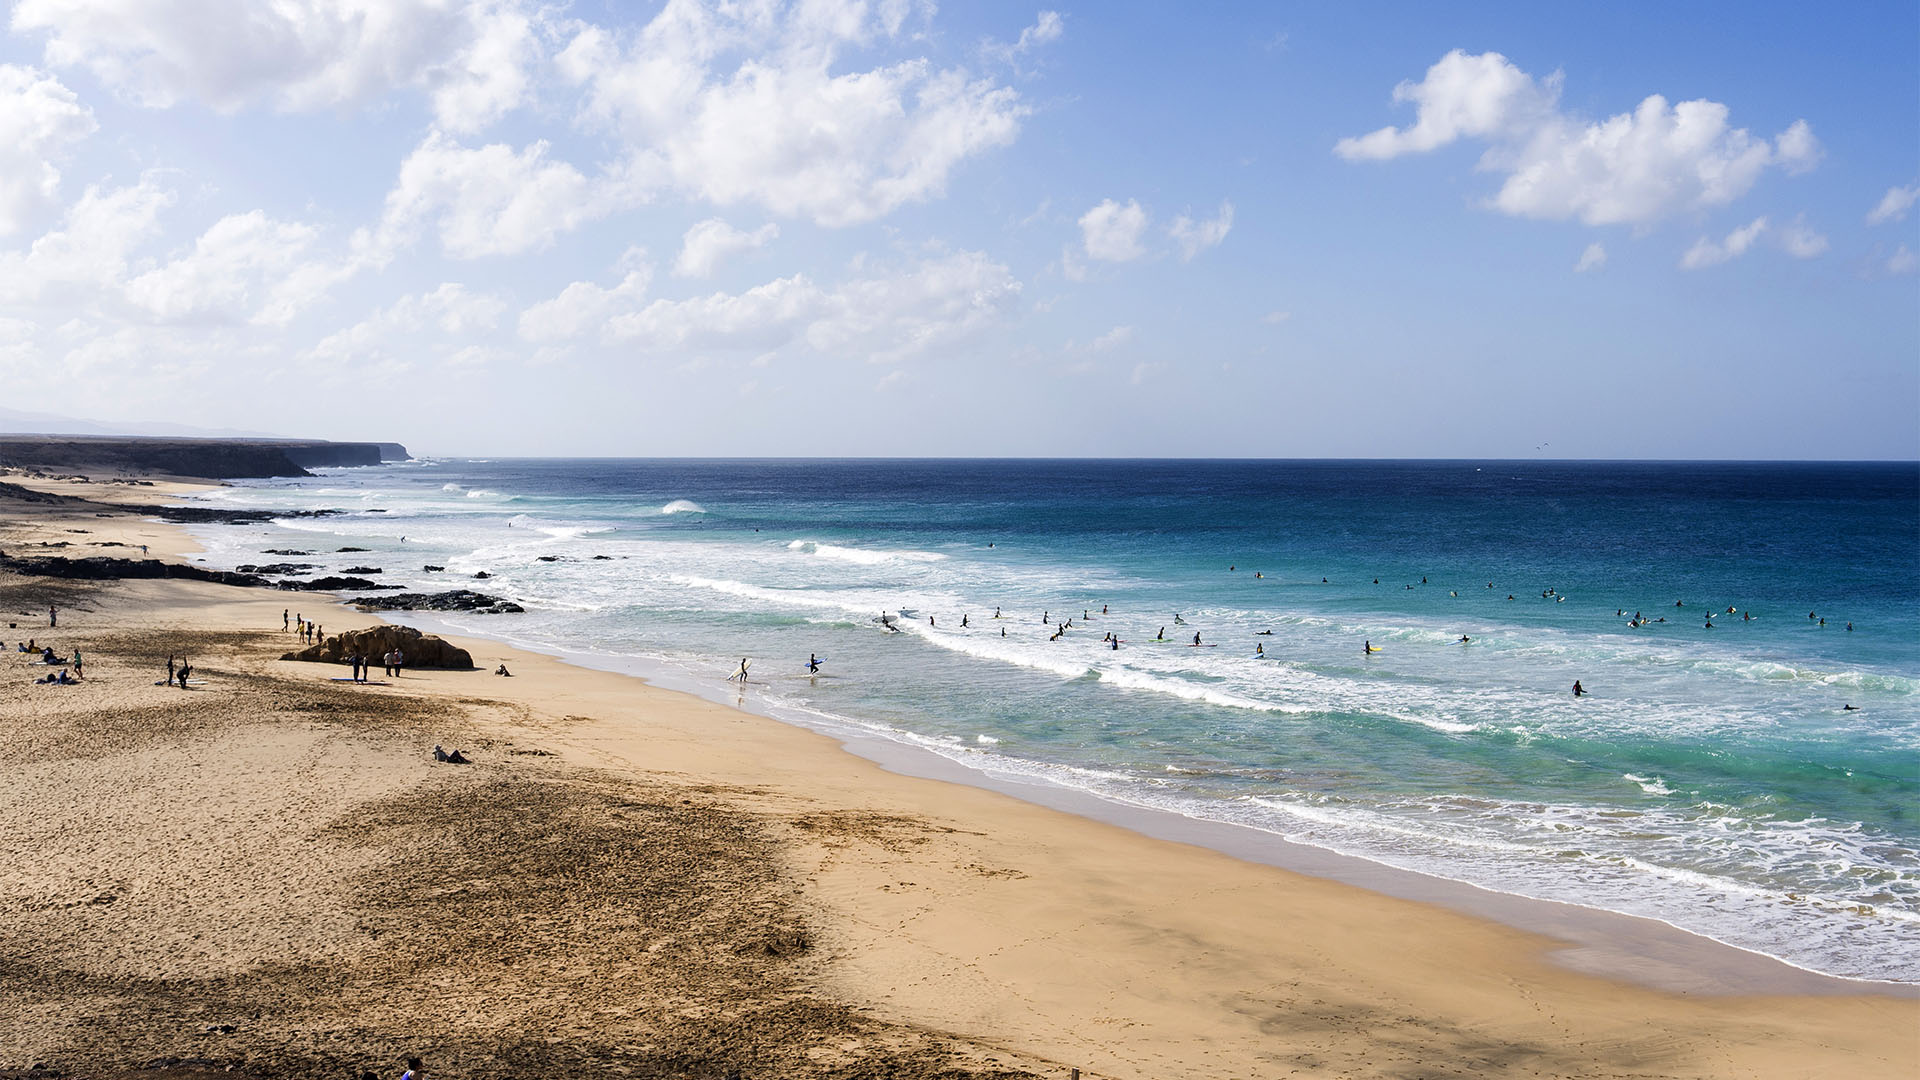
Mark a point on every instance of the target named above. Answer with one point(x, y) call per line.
point(683, 506)
point(862, 556)
point(1652, 785)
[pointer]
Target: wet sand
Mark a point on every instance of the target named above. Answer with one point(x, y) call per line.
point(270, 871)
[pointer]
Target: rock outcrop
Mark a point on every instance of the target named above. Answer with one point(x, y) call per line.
point(107, 568)
point(333, 583)
point(456, 600)
point(222, 458)
point(421, 650)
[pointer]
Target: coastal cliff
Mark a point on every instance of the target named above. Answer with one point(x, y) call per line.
point(221, 459)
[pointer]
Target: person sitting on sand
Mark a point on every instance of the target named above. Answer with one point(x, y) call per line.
point(502, 670)
point(414, 1070)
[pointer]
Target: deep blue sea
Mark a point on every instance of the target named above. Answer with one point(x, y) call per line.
point(1712, 778)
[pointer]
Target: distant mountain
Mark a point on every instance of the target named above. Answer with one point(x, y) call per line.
point(14, 421)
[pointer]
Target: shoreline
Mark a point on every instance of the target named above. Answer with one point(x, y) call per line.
point(1075, 940)
point(1593, 940)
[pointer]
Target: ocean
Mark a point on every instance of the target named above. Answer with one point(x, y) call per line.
point(1712, 777)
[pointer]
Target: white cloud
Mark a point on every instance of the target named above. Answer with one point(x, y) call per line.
point(90, 251)
point(1047, 27)
point(492, 200)
point(227, 273)
point(1593, 258)
point(426, 319)
point(712, 240)
point(1894, 205)
point(295, 54)
point(1800, 239)
point(928, 304)
point(40, 120)
point(1632, 168)
point(1112, 339)
point(742, 104)
point(1275, 318)
point(1142, 371)
point(1479, 97)
point(582, 307)
point(1903, 261)
point(1195, 237)
point(1111, 231)
point(1706, 253)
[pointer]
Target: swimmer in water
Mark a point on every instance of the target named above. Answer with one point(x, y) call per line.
point(1177, 620)
point(1578, 690)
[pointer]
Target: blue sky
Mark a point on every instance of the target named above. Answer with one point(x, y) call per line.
point(888, 228)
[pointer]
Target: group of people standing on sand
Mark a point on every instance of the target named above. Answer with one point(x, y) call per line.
point(308, 632)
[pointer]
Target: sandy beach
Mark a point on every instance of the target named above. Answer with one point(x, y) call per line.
point(270, 873)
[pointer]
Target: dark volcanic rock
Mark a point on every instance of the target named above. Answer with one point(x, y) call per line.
point(209, 515)
point(363, 570)
point(432, 569)
point(284, 551)
point(276, 568)
point(483, 575)
point(107, 568)
point(457, 600)
point(422, 650)
point(189, 457)
point(549, 558)
point(346, 549)
point(333, 583)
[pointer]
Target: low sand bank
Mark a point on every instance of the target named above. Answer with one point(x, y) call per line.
point(270, 870)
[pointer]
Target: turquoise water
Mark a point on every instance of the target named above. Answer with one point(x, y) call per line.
point(1712, 778)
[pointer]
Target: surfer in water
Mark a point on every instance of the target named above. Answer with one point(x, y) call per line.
point(1370, 649)
point(1578, 690)
point(1465, 640)
point(1196, 638)
point(1177, 620)
point(813, 664)
point(741, 674)
point(1260, 650)
point(1162, 635)
point(963, 622)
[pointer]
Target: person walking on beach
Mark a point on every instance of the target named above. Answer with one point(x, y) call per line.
point(740, 674)
point(813, 664)
point(53, 616)
point(169, 671)
point(399, 661)
point(283, 620)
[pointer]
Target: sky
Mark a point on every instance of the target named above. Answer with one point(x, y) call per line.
point(888, 228)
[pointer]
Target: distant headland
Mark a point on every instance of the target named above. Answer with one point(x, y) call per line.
point(223, 459)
